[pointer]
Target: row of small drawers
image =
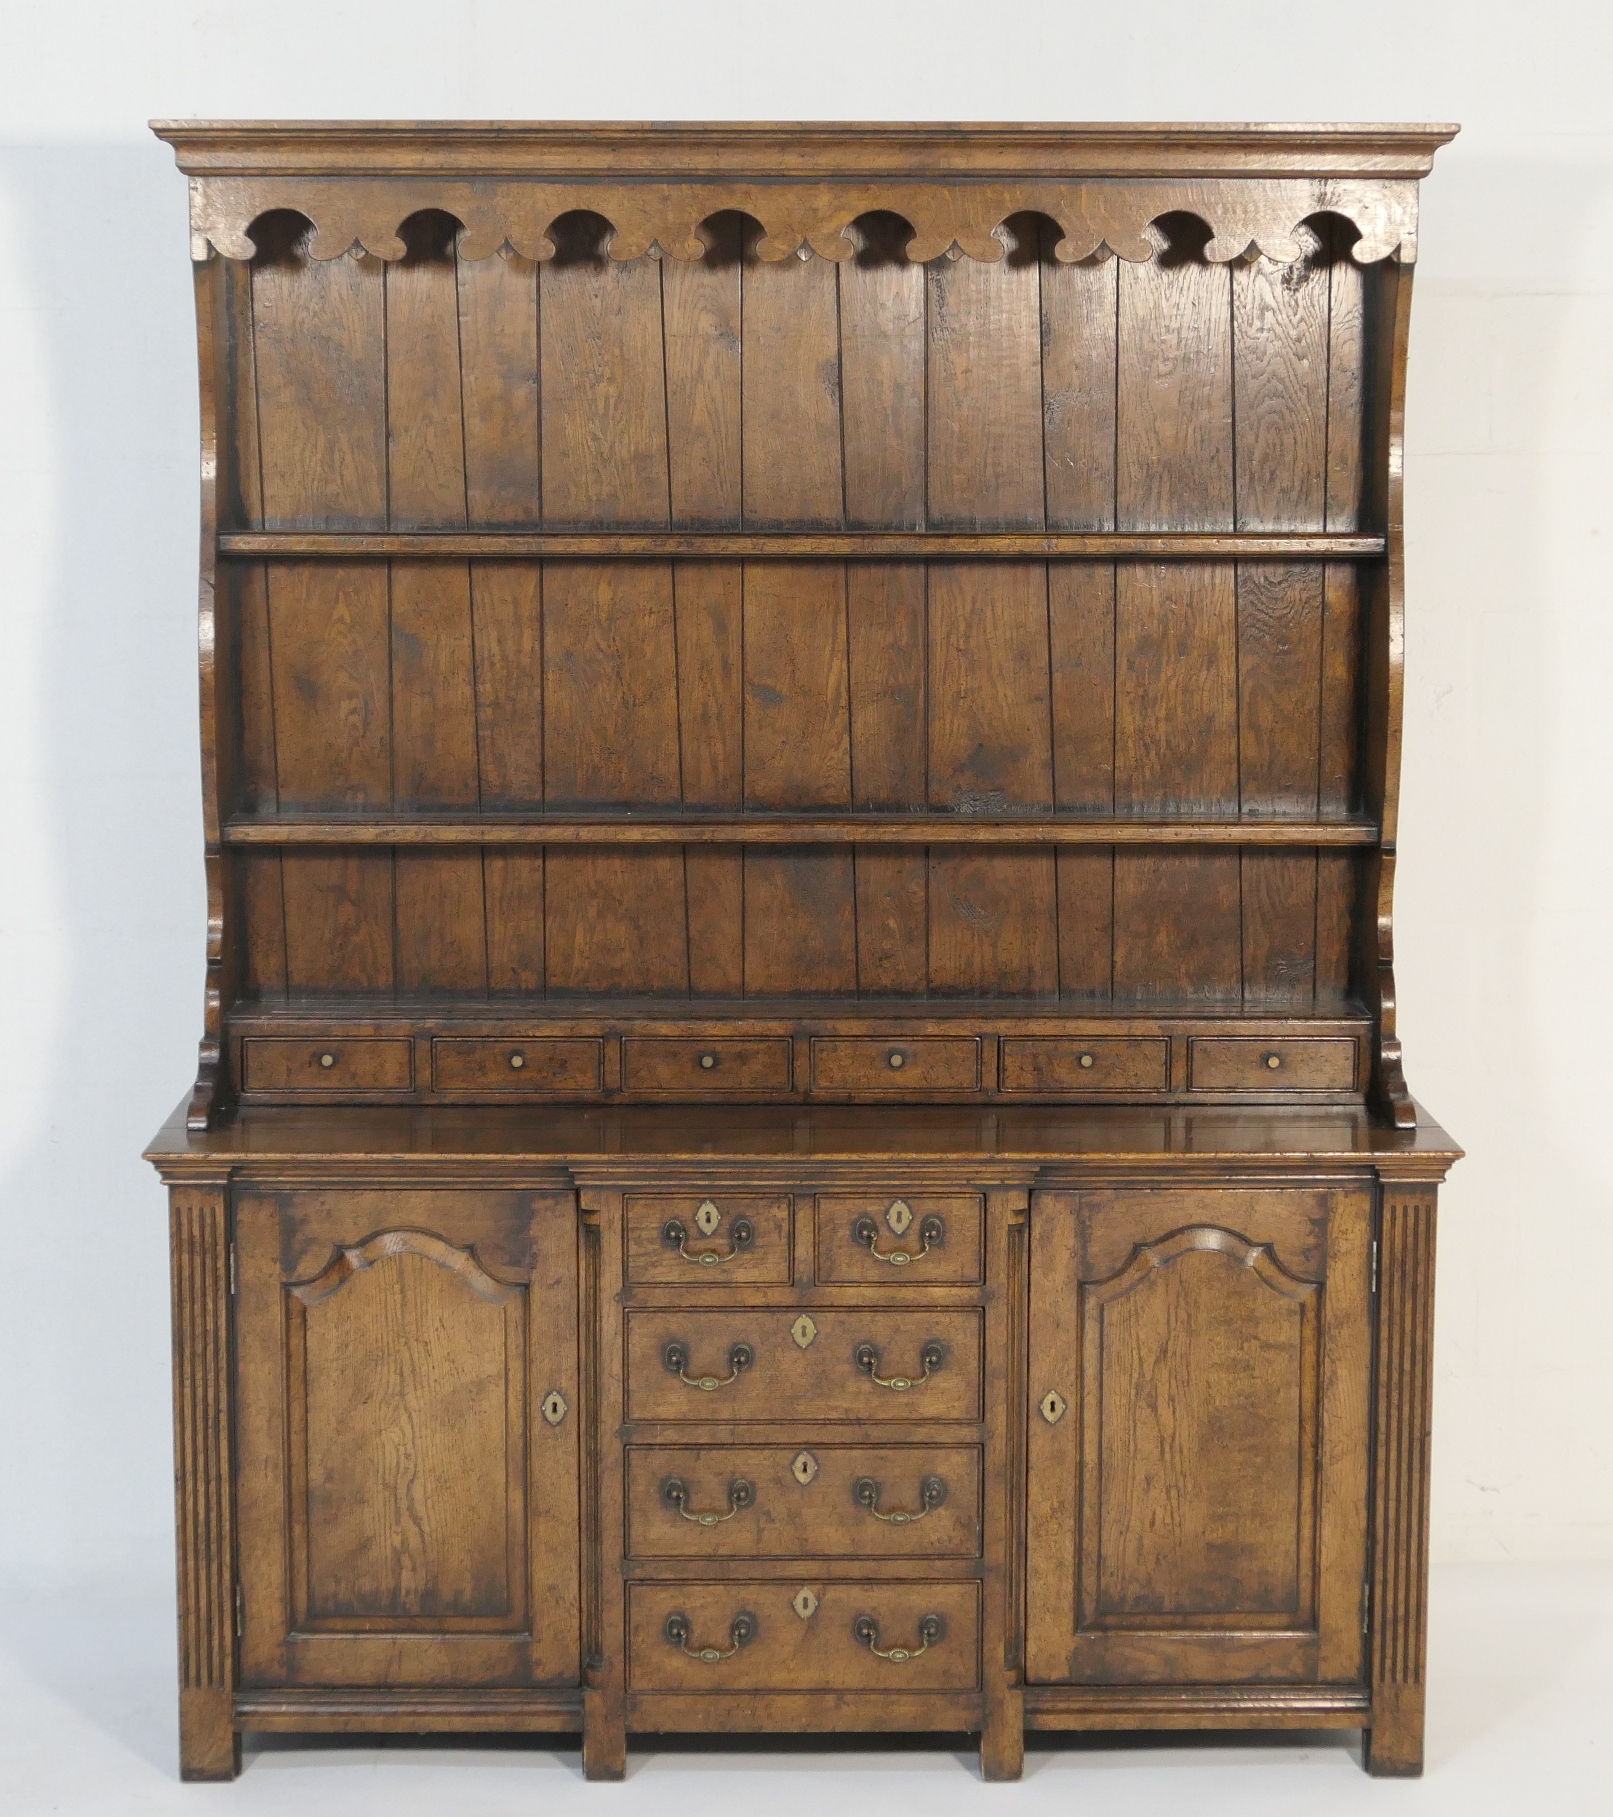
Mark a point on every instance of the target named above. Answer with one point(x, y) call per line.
point(723, 1066)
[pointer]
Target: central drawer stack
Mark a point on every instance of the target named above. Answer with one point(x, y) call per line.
point(804, 1528)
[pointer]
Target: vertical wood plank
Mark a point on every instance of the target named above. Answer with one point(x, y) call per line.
point(892, 921)
point(882, 315)
point(320, 340)
point(424, 404)
point(990, 709)
point(338, 921)
point(248, 585)
point(1337, 889)
point(800, 922)
point(1346, 382)
point(1081, 630)
point(710, 599)
point(441, 923)
point(700, 300)
point(985, 387)
point(507, 633)
point(330, 643)
point(512, 884)
point(610, 732)
point(797, 729)
point(1086, 887)
point(1177, 927)
point(1279, 927)
point(1176, 704)
point(263, 933)
point(240, 479)
point(1078, 388)
point(498, 349)
point(714, 882)
point(433, 687)
point(616, 923)
point(1173, 388)
point(793, 474)
point(886, 614)
point(993, 922)
point(603, 383)
point(1337, 787)
point(1279, 325)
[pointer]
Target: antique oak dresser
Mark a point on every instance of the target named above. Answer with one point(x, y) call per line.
point(800, 1124)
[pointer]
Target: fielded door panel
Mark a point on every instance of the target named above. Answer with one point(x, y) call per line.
point(1199, 1375)
point(407, 1437)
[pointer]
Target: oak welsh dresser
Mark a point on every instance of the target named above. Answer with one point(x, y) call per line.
point(800, 1124)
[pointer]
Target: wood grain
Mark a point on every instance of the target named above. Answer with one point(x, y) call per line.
point(1079, 339)
point(498, 359)
point(882, 353)
point(424, 399)
point(793, 471)
point(701, 311)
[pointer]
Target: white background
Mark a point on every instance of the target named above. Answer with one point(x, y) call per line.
point(1503, 913)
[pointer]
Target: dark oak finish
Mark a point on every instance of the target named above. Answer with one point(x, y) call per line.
point(799, 1122)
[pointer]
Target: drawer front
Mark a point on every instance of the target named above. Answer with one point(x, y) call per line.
point(901, 1239)
point(657, 1064)
point(927, 1063)
point(813, 1501)
point(696, 1240)
point(518, 1066)
point(802, 1364)
point(1241, 1064)
point(1107, 1063)
point(787, 1651)
point(333, 1066)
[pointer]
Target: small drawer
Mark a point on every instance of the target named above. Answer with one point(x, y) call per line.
point(812, 1501)
point(720, 1067)
point(1240, 1064)
point(788, 1363)
point(794, 1636)
point(518, 1066)
point(335, 1066)
point(927, 1063)
point(715, 1240)
point(896, 1239)
point(1106, 1063)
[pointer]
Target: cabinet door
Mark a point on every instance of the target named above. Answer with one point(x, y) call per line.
point(1198, 1478)
point(407, 1410)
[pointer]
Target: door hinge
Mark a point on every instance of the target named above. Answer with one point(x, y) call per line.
point(232, 1271)
point(1366, 1605)
point(1374, 1266)
point(240, 1611)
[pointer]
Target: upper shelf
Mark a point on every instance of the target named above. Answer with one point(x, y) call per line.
point(859, 545)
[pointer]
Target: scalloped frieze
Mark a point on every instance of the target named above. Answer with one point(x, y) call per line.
point(1096, 216)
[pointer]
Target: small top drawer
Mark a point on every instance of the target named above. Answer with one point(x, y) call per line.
point(720, 1068)
point(518, 1066)
point(1044, 1063)
point(708, 1241)
point(928, 1063)
point(888, 1239)
point(334, 1066)
point(1284, 1064)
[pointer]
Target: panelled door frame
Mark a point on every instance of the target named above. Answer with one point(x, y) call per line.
point(1070, 1638)
point(514, 1253)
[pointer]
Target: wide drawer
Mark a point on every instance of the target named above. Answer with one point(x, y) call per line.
point(333, 1066)
point(1042, 1063)
point(518, 1066)
point(715, 1240)
point(928, 1063)
point(1241, 1064)
point(814, 1501)
point(657, 1063)
point(901, 1239)
point(753, 1636)
point(777, 1363)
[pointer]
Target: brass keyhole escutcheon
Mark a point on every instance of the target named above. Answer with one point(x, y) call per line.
point(899, 1217)
point(707, 1218)
point(804, 1603)
point(554, 1407)
point(803, 1467)
point(803, 1331)
point(1053, 1406)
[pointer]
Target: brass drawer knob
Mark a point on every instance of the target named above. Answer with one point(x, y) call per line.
point(517, 1060)
point(1274, 1061)
point(675, 1494)
point(327, 1060)
point(931, 1357)
point(865, 1492)
point(932, 1234)
point(707, 1062)
point(896, 1060)
point(1086, 1061)
point(676, 1359)
point(741, 1632)
point(740, 1238)
point(931, 1630)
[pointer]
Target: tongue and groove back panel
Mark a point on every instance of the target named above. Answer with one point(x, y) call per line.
point(731, 393)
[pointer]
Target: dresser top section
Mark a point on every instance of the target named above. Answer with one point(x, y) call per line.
point(806, 149)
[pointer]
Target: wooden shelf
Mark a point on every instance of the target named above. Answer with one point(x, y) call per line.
point(785, 829)
point(851, 545)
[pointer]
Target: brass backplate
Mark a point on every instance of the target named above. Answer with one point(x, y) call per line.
point(803, 1331)
point(707, 1217)
point(803, 1467)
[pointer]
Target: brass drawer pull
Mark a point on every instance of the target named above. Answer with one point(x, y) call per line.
point(932, 1234)
point(741, 1632)
point(865, 1492)
point(740, 1239)
point(931, 1630)
point(932, 1356)
point(676, 1359)
point(675, 1493)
